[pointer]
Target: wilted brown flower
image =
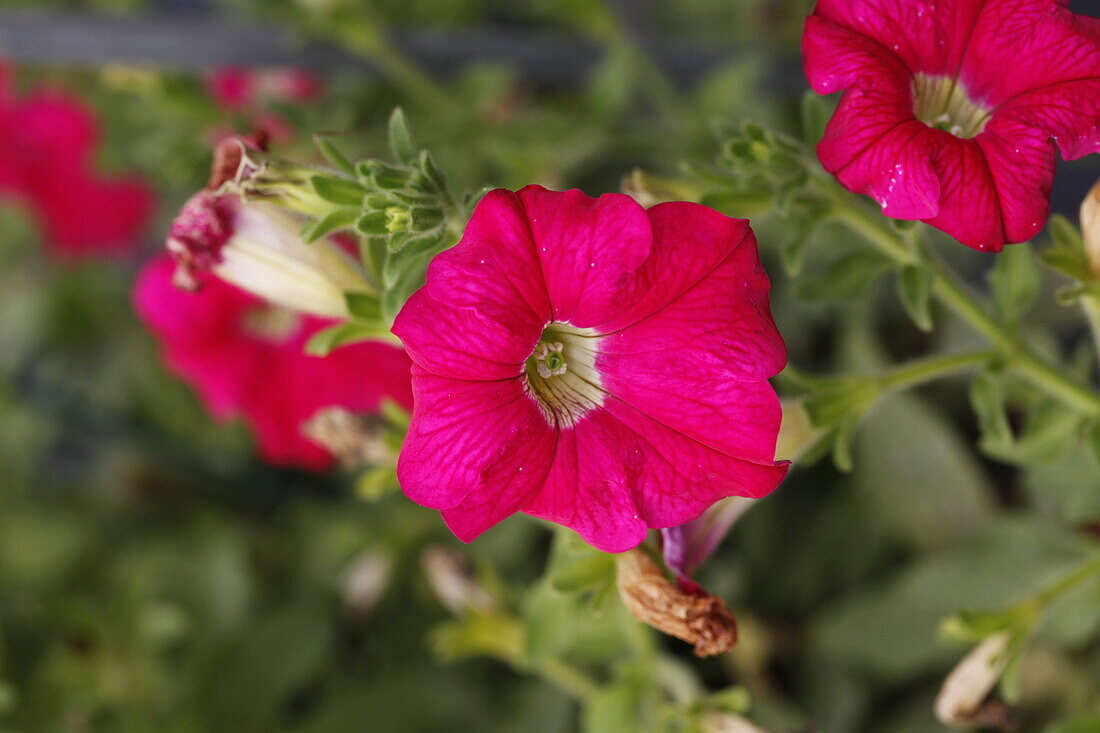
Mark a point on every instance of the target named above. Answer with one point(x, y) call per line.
point(702, 620)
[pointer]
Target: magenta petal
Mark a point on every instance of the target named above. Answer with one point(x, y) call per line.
point(835, 57)
point(586, 246)
point(590, 487)
point(970, 207)
point(1021, 164)
point(723, 322)
point(470, 438)
point(506, 485)
point(461, 343)
point(930, 35)
point(1068, 112)
point(676, 477)
point(494, 268)
point(1043, 42)
point(689, 242)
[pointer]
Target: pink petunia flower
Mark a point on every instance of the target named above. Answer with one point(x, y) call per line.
point(592, 363)
point(245, 357)
point(952, 108)
point(47, 150)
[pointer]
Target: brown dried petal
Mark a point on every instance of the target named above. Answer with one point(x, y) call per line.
point(354, 439)
point(702, 620)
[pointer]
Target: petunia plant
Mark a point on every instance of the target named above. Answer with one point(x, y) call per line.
point(604, 363)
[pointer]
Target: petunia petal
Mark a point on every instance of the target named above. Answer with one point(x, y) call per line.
point(970, 208)
point(689, 242)
point(925, 35)
point(723, 322)
point(1021, 164)
point(675, 478)
point(1054, 45)
point(463, 343)
point(472, 437)
point(494, 269)
point(586, 247)
point(835, 57)
point(590, 487)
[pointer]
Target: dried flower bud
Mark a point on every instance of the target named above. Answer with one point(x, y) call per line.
point(453, 582)
point(355, 439)
point(1090, 228)
point(698, 619)
point(963, 698)
point(365, 581)
point(257, 247)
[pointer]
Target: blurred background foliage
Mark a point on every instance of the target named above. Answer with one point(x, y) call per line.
point(155, 576)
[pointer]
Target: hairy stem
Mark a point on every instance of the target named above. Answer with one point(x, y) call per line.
point(953, 294)
point(922, 371)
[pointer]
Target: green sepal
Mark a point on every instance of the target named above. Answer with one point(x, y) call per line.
point(1016, 282)
point(333, 155)
point(326, 340)
point(987, 397)
point(401, 139)
point(847, 278)
point(338, 190)
point(915, 291)
point(331, 222)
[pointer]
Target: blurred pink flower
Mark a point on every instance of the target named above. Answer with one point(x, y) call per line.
point(245, 358)
point(592, 363)
point(236, 88)
point(952, 108)
point(47, 157)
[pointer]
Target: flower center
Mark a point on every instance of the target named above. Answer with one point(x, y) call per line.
point(942, 102)
point(562, 375)
point(271, 323)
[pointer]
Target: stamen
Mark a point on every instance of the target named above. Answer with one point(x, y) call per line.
point(562, 375)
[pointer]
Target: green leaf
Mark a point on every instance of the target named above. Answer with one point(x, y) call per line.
point(401, 139)
point(362, 306)
point(915, 289)
point(1070, 264)
point(816, 111)
point(326, 340)
point(332, 154)
point(338, 190)
point(274, 658)
point(332, 222)
point(1050, 432)
point(987, 391)
point(616, 708)
point(847, 278)
point(1065, 234)
point(585, 574)
point(1015, 280)
point(971, 627)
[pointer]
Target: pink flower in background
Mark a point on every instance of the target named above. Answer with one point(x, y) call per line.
point(952, 108)
point(592, 363)
point(235, 88)
point(47, 157)
point(245, 358)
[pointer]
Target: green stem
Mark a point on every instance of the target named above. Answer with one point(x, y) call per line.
point(1076, 576)
point(953, 294)
point(927, 370)
point(568, 678)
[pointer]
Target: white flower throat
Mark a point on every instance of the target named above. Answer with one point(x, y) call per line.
point(942, 102)
point(562, 375)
